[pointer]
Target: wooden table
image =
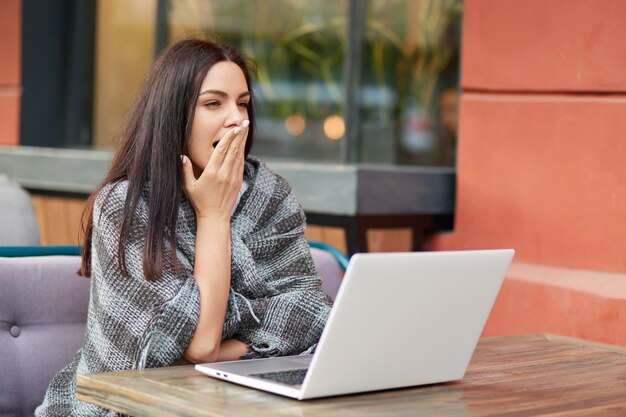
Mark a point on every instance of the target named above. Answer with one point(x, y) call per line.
point(524, 375)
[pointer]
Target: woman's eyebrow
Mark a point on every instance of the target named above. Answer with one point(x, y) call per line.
point(223, 93)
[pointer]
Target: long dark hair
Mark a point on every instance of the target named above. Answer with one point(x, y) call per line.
point(156, 134)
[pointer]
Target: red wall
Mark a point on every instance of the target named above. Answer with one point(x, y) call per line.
point(539, 45)
point(542, 144)
point(10, 70)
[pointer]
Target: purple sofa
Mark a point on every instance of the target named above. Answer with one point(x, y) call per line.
point(43, 309)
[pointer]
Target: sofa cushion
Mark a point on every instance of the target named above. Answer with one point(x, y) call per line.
point(43, 309)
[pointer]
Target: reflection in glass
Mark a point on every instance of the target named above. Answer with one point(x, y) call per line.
point(124, 45)
point(298, 47)
point(408, 100)
point(407, 95)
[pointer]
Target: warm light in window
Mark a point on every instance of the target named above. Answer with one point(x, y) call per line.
point(295, 124)
point(334, 127)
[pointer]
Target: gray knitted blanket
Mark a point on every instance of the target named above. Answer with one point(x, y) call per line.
point(275, 303)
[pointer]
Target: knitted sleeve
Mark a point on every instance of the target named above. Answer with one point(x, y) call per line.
point(276, 295)
point(132, 323)
point(142, 323)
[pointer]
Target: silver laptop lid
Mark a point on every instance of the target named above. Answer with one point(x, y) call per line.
point(404, 319)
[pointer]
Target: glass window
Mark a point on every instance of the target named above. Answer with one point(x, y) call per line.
point(405, 72)
point(124, 51)
point(298, 47)
point(409, 82)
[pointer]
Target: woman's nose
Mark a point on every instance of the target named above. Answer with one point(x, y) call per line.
point(235, 116)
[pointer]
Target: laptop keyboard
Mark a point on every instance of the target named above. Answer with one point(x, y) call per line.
point(288, 377)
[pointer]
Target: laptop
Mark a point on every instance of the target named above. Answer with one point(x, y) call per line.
point(399, 320)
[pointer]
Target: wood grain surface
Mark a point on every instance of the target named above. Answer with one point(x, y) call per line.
point(509, 376)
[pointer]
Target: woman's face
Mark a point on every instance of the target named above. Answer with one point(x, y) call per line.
point(222, 105)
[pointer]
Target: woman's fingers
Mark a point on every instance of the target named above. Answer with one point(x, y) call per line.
point(215, 191)
point(239, 157)
point(237, 147)
point(228, 146)
point(221, 150)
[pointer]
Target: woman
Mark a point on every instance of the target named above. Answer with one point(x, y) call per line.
point(195, 249)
